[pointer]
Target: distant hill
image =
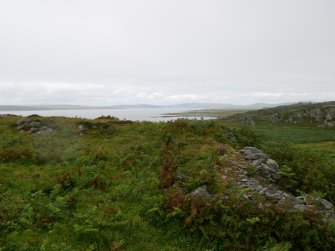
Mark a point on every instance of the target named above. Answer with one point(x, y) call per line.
point(303, 113)
point(42, 107)
point(224, 106)
point(68, 107)
point(190, 106)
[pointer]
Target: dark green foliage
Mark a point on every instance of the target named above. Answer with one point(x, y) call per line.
point(16, 149)
point(239, 137)
point(236, 224)
point(304, 170)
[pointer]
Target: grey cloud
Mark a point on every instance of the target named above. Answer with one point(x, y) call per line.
point(107, 52)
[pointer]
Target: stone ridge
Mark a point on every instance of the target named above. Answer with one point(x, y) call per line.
point(268, 169)
point(256, 173)
point(324, 117)
point(33, 124)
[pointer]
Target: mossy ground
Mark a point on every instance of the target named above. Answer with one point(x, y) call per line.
point(116, 188)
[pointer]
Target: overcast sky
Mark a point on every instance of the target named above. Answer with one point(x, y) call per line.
point(105, 52)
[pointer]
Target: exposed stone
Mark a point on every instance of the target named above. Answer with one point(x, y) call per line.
point(268, 172)
point(180, 175)
point(247, 121)
point(295, 117)
point(250, 150)
point(328, 124)
point(263, 183)
point(26, 124)
point(272, 164)
point(257, 162)
point(256, 156)
point(316, 113)
point(323, 116)
point(300, 207)
point(267, 168)
point(252, 153)
point(83, 128)
point(202, 193)
point(275, 117)
point(33, 125)
point(45, 131)
point(326, 205)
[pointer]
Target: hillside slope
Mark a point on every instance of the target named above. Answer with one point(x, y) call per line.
point(313, 114)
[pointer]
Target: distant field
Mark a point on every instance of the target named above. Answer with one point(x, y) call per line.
point(207, 113)
point(298, 135)
point(317, 140)
point(327, 148)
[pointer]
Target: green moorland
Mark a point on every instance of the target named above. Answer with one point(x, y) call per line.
point(214, 113)
point(306, 132)
point(309, 138)
point(117, 187)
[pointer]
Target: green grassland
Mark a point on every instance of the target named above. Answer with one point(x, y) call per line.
point(317, 140)
point(296, 134)
point(116, 187)
point(221, 113)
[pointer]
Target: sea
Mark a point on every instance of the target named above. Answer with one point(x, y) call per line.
point(134, 114)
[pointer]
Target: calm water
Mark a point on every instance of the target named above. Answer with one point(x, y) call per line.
point(141, 114)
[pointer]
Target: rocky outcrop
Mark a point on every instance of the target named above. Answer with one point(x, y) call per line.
point(265, 167)
point(85, 126)
point(267, 170)
point(275, 117)
point(33, 124)
point(101, 123)
point(82, 129)
point(236, 167)
point(247, 121)
point(201, 193)
point(328, 124)
point(323, 116)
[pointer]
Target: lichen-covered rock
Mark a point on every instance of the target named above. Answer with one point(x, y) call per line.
point(252, 153)
point(181, 176)
point(201, 193)
point(328, 124)
point(296, 117)
point(268, 172)
point(265, 167)
point(272, 164)
point(33, 124)
point(275, 118)
point(263, 183)
point(45, 130)
point(26, 124)
point(323, 116)
point(85, 126)
point(325, 204)
point(247, 121)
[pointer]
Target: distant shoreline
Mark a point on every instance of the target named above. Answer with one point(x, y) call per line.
point(185, 106)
